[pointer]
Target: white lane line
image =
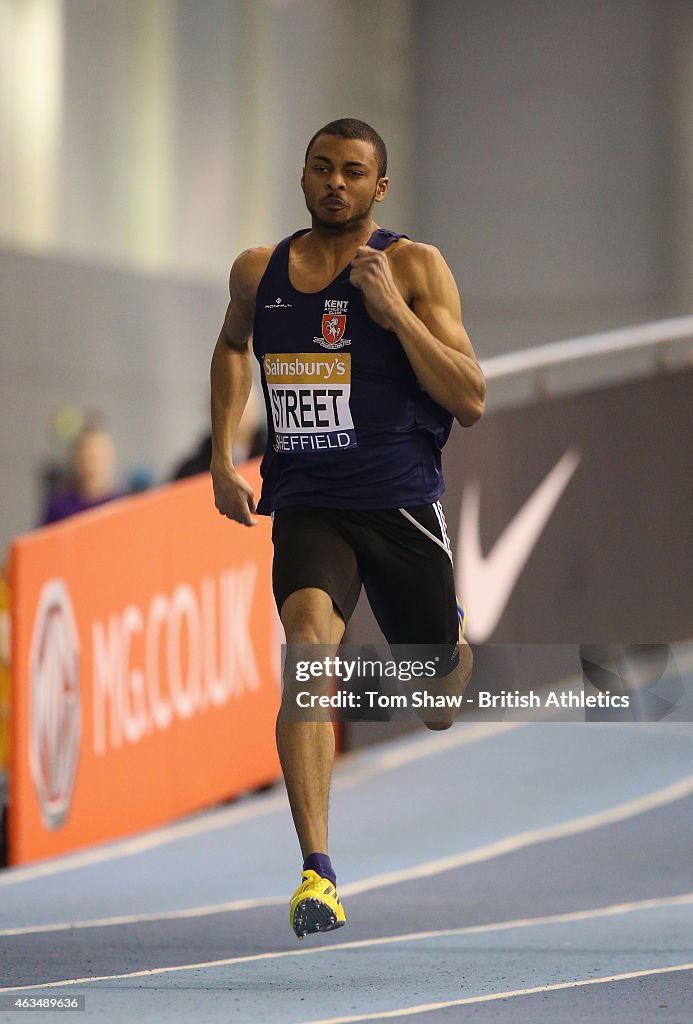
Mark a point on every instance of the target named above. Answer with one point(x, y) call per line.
point(427, 1007)
point(632, 808)
point(612, 910)
point(432, 744)
point(246, 811)
point(149, 841)
point(163, 915)
point(640, 805)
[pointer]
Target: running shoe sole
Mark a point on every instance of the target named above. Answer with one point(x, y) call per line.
point(315, 906)
point(313, 915)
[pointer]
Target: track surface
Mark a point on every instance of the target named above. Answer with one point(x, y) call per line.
point(499, 872)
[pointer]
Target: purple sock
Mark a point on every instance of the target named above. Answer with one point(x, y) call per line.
point(321, 863)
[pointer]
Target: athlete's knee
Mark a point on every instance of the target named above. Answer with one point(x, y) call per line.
point(439, 726)
point(306, 627)
point(307, 616)
point(466, 663)
point(453, 686)
point(308, 634)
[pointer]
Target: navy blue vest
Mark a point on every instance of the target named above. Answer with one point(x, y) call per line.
point(349, 425)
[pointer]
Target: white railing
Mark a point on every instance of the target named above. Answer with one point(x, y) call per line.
point(556, 353)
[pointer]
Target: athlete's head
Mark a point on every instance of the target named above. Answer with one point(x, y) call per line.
point(352, 128)
point(344, 174)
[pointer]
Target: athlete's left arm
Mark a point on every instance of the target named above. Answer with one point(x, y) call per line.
point(430, 328)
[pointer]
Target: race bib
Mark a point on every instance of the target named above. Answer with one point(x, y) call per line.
point(309, 401)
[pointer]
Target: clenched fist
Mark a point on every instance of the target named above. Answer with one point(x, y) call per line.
point(371, 273)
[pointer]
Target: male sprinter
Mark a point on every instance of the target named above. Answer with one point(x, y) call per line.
point(364, 364)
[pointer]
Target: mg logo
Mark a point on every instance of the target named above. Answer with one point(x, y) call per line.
point(55, 707)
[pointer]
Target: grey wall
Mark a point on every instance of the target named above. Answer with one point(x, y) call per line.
point(169, 134)
point(550, 161)
point(135, 346)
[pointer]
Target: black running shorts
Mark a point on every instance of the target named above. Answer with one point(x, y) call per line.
point(401, 556)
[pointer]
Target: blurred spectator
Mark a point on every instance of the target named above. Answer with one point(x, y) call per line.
point(251, 437)
point(91, 479)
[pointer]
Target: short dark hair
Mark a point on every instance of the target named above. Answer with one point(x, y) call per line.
point(351, 128)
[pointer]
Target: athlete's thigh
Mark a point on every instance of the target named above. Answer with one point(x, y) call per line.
point(311, 552)
point(409, 579)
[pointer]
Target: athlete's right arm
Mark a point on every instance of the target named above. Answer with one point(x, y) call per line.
point(231, 380)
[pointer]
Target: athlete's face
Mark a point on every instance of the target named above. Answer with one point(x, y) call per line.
point(340, 182)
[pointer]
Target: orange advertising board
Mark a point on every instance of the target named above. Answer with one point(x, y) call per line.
point(4, 680)
point(145, 668)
